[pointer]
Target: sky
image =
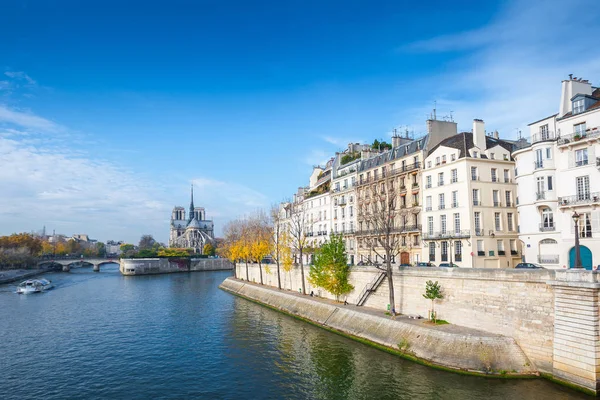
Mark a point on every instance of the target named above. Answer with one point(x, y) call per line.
point(109, 110)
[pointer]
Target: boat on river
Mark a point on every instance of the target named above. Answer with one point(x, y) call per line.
point(34, 286)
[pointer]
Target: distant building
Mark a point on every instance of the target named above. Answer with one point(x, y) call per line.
point(193, 232)
point(113, 247)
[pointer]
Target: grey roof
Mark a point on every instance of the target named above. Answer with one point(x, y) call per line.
point(395, 153)
point(194, 224)
point(464, 142)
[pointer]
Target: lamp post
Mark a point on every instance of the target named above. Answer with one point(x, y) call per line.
point(577, 254)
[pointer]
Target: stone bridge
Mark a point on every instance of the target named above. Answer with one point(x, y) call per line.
point(70, 262)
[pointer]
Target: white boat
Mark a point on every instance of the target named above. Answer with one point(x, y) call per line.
point(34, 286)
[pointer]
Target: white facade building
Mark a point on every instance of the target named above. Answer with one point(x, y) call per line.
point(469, 216)
point(558, 176)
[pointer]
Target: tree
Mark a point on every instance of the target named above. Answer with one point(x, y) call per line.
point(276, 237)
point(127, 250)
point(433, 291)
point(146, 242)
point(381, 237)
point(287, 258)
point(101, 249)
point(330, 270)
point(260, 239)
point(208, 250)
point(298, 237)
point(230, 247)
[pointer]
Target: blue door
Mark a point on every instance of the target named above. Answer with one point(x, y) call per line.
point(586, 257)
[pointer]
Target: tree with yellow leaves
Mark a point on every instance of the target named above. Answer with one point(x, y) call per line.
point(259, 243)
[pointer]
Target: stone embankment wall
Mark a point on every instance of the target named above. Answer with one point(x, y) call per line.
point(147, 266)
point(525, 305)
point(465, 350)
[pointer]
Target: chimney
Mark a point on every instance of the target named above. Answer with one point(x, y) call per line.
point(395, 139)
point(496, 135)
point(479, 134)
point(570, 88)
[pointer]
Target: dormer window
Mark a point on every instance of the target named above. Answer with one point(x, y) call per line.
point(578, 106)
point(475, 154)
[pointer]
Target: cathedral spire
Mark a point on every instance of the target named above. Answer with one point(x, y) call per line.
point(191, 216)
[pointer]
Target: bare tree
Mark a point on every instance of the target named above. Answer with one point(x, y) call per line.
point(297, 229)
point(276, 251)
point(378, 215)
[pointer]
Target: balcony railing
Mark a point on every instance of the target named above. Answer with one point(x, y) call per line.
point(415, 185)
point(577, 136)
point(548, 259)
point(501, 252)
point(497, 204)
point(479, 231)
point(547, 227)
point(538, 164)
point(514, 253)
point(542, 136)
point(579, 199)
point(446, 235)
point(540, 195)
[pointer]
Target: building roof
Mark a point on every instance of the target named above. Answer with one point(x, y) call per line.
point(464, 141)
point(395, 153)
point(540, 120)
point(194, 224)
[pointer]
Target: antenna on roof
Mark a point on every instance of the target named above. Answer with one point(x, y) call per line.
point(434, 110)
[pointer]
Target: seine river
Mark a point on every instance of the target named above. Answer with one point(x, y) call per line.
point(105, 336)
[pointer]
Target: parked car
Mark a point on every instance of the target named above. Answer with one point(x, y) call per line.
point(425, 264)
point(529, 266)
point(405, 265)
point(448, 265)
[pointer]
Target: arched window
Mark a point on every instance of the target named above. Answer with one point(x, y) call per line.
point(548, 241)
point(547, 218)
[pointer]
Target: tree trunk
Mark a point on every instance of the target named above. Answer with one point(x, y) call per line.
point(302, 272)
point(278, 276)
point(260, 269)
point(247, 275)
point(390, 284)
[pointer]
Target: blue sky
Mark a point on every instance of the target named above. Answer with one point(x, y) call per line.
point(109, 110)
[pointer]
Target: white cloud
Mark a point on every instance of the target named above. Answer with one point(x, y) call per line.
point(20, 75)
point(317, 157)
point(509, 72)
point(27, 120)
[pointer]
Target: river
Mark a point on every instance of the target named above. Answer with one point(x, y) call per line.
point(105, 336)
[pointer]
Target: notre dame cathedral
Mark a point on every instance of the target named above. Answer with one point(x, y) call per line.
point(193, 232)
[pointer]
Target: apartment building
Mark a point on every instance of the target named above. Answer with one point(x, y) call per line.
point(470, 215)
point(397, 174)
point(558, 179)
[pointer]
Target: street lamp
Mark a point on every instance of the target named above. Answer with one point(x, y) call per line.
point(577, 254)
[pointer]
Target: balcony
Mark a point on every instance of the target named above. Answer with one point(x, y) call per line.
point(411, 228)
point(548, 259)
point(514, 253)
point(342, 203)
point(542, 136)
point(415, 185)
point(501, 252)
point(547, 227)
point(479, 232)
point(497, 204)
point(581, 199)
point(540, 196)
point(538, 164)
point(446, 235)
point(590, 133)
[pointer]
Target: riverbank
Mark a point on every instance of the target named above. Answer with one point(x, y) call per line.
point(13, 275)
point(445, 346)
point(151, 266)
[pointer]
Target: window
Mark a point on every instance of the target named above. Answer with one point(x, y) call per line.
point(579, 129)
point(508, 197)
point(513, 246)
point(497, 221)
point(540, 184)
point(500, 247)
point(430, 225)
point(585, 225)
point(475, 154)
point(480, 248)
point(375, 174)
point(443, 224)
point(437, 161)
point(583, 187)
point(495, 198)
point(506, 176)
point(335, 213)
point(444, 251)
point(454, 174)
point(494, 176)
point(476, 197)
point(428, 182)
point(544, 134)
point(442, 201)
point(441, 179)
point(428, 164)
point(550, 186)
point(547, 218)
point(581, 157)
point(509, 219)
point(548, 153)
point(351, 211)
point(578, 106)
point(428, 203)
point(473, 173)
point(492, 156)
point(431, 251)
point(452, 157)
point(457, 223)
point(455, 199)
point(444, 159)
point(477, 220)
point(457, 251)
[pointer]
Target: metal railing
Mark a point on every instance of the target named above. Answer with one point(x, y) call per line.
point(548, 259)
point(579, 199)
point(538, 164)
point(577, 136)
point(547, 227)
point(540, 195)
point(446, 235)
